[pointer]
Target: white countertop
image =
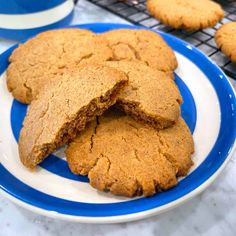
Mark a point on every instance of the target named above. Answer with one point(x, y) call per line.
point(211, 213)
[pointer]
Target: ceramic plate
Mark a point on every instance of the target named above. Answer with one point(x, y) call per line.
point(208, 108)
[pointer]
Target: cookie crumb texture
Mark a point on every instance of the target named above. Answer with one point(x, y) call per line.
point(151, 97)
point(141, 45)
point(225, 38)
point(64, 108)
point(186, 14)
point(36, 62)
point(128, 158)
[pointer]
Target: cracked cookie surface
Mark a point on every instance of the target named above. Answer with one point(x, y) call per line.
point(128, 158)
point(38, 61)
point(142, 45)
point(151, 96)
point(64, 108)
point(185, 14)
point(225, 38)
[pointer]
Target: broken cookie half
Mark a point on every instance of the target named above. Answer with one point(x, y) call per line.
point(127, 158)
point(64, 107)
point(151, 97)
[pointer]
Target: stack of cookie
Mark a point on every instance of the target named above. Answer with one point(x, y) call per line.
point(112, 98)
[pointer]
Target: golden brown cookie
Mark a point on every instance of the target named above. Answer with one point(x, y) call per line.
point(64, 108)
point(151, 96)
point(36, 62)
point(186, 14)
point(128, 158)
point(225, 38)
point(142, 45)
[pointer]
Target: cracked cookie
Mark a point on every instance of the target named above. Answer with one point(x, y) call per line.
point(60, 111)
point(142, 45)
point(151, 97)
point(128, 158)
point(185, 14)
point(38, 61)
point(225, 38)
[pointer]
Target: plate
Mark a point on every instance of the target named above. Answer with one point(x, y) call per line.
point(208, 108)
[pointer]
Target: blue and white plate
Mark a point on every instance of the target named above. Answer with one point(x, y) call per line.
point(208, 108)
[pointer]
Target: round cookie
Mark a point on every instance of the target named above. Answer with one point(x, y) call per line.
point(64, 107)
point(36, 62)
point(190, 15)
point(142, 45)
point(225, 38)
point(128, 158)
point(151, 97)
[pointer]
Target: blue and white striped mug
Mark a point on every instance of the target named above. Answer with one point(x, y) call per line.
point(22, 18)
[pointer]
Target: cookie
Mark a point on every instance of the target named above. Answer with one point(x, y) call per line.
point(127, 158)
point(36, 62)
point(184, 14)
point(64, 107)
point(151, 96)
point(142, 45)
point(225, 38)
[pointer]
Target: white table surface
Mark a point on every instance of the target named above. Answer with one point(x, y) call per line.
point(211, 213)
